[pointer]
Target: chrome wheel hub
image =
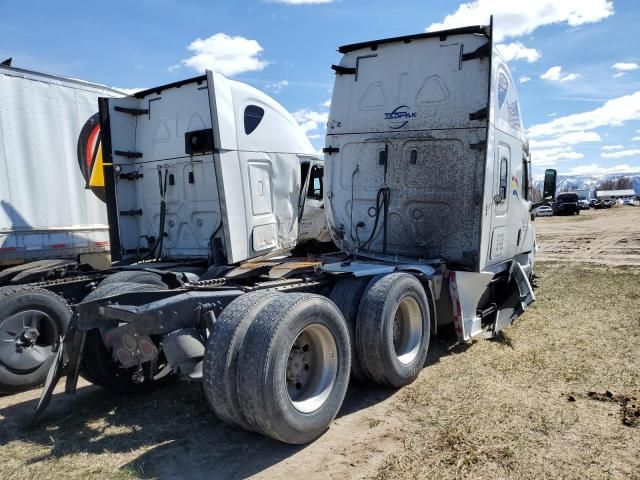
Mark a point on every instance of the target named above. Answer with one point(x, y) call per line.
point(312, 368)
point(407, 330)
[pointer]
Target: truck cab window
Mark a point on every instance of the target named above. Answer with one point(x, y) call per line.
point(524, 184)
point(252, 118)
point(504, 173)
point(315, 183)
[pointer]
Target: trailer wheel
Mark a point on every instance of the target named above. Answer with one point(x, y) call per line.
point(393, 329)
point(32, 323)
point(134, 276)
point(293, 367)
point(346, 294)
point(221, 355)
point(98, 365)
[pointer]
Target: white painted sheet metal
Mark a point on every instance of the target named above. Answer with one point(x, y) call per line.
point(245, 191)
point(403, 123)
point(45, 209)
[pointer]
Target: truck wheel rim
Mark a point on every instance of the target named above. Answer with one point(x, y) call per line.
point(407, 330)
point(27, 339)
point(312, 368)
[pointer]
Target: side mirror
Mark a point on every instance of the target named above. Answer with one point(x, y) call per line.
point(549, 189)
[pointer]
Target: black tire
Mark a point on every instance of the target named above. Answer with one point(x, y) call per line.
point(346, 294)
point(47, 316)
point(379, 331)
point(134, 276)
point(221, 355)
point(271, 350)
point(98, 366)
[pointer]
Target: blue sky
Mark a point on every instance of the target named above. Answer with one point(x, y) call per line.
point(577, 60)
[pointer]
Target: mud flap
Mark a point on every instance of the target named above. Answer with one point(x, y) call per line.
point(55, 372)
point(67, 361)
point(520, 297)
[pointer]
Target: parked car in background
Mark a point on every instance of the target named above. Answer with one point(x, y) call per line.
point(584, 204)
point(567, 204)
point(629, 201)
point(543, 211)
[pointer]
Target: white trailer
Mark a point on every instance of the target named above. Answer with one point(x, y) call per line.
point(426, 194)
point(49, 144)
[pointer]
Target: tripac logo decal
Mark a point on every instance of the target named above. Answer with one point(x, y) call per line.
point(90, 156)
point(400, 116)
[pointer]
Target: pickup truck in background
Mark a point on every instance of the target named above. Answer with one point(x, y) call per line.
point(566, 204)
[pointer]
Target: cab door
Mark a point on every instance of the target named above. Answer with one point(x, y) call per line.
point(501, 199)
point(313, 224)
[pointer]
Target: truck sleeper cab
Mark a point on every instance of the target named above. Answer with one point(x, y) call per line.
point(426, 196)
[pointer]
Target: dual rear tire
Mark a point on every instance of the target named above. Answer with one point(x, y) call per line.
point(393, 329)
point(389, 322)
point(285, 370)
point(279, 364)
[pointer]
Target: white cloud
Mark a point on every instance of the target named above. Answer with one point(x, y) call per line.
point(570, 138)
point(524, 79)
point(514, 18)
point(550, 151)
point(554, 74)
point(310, 120)
point(553, 114)
point(224, 54)
point(625, 67)
point(618, 75)
point(277, 87)
point(612, 147)
point(621, 154)
point(615, 112)
point(636, 139)
point(550, 156)
point(595, 169)
point(326, 104)
point(302, 2)
point(517, 51)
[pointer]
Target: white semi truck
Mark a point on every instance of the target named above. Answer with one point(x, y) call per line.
point(54, 234)
point(426, 194)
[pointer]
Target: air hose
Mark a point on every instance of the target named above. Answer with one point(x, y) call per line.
point(157, 245)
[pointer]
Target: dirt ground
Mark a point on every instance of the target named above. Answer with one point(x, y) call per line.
point(557, 397)
point(610, 236)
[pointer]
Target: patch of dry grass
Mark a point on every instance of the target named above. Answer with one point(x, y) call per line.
point(502, 409)
point(493, 410)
